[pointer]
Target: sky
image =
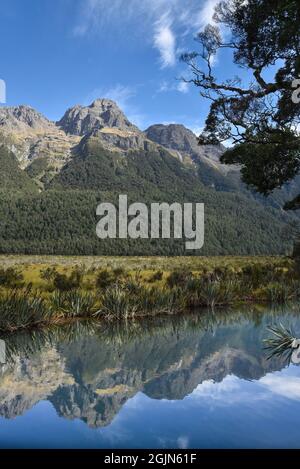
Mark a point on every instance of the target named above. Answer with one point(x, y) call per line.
point(58, 53)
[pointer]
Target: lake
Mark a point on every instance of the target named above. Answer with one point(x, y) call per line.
point(197, 381)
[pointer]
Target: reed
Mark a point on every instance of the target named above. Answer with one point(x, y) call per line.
point(73, 304)
point(280, 345)
point(279, 293)
point(116, 303)
point(18, 310)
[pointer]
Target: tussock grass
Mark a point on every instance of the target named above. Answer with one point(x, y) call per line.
point(20, 311)
point(118, 288)
point(280, 345)
point(72, 304)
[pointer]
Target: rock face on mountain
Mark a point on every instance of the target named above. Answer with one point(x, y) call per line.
point(96, 148)
point(82, 120)
point(29, 381)
point(119, 140)
point(23, 118)
point(85, 378)
point(30, 136)
point(183, 141)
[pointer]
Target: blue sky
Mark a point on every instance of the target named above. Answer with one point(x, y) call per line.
point(57, 53)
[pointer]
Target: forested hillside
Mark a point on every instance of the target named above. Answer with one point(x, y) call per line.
point(51, 186)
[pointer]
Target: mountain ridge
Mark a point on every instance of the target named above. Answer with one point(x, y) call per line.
point(64, 176)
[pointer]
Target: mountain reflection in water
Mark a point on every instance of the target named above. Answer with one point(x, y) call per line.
point(202, 380)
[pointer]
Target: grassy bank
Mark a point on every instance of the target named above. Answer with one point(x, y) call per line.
point(38, 291)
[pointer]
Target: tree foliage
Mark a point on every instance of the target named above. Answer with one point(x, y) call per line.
point(258, 115)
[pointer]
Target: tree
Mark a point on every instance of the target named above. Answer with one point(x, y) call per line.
point(259, 117)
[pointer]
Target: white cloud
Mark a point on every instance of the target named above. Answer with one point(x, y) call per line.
point(183, 442)
point(119, 93)
point(280, 383)
point(122, 95)
point(160, 22)
point(96, 14)
point(197, 130)
point(183, 87)
point(206, 14)
point(179, 85)
point(165, 42)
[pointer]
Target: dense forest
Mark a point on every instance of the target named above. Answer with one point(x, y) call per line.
point(62, 219)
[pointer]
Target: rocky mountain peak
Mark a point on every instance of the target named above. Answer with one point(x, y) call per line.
point(175, 136)
point(104, 104)
point(22, 118)
point(182, 140)
point(84, 120)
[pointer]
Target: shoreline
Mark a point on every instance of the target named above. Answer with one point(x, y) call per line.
point(33, 293)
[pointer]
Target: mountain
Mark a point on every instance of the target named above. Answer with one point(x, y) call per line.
point(92, 376)
point(38, 144)
point(12, 178)
point(94, 153)
point(184, 142)
point(206, 160)
point(82, 120)
point(20, 118)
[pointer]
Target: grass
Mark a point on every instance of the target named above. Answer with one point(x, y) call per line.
point(281, 342)
point(18, 310)
point(45, 289)
point(72, 304)
point(150, 269)
point(141, 263)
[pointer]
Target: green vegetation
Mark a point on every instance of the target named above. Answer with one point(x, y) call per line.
point(72, 304)
point(62, 219)
point(281, 342)
point(20, 310)
point(259, 117)
point(39, 294)
point(12, 178)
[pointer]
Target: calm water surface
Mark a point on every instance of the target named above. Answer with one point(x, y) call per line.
point(201, 381)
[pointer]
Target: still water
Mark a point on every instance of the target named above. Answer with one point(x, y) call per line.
point(199, 381)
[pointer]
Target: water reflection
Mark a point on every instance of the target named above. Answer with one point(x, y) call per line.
point(199, 373)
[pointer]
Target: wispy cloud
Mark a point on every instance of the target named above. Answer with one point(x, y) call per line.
point(178, 85)
point(165, 41)
point(119, 93)
point(280, 383)
point(96, 14)
point(206, 13)
point(160, 22)
point(183, 87)
point(183, 442)
point(123, 96)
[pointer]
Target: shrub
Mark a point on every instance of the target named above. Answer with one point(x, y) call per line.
point(117, 303)
point(156, 277)
point(133, 287)
point(65, 283)
point(216, 292)
point(104, 279)
point(160, 301)
point(10, 278)
point(179, 278)
point(119, 272)
point(257, 275)
point(210, 292)
point(73, 303)
point(19, 311)
point(279, 293)
point(48, 274)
